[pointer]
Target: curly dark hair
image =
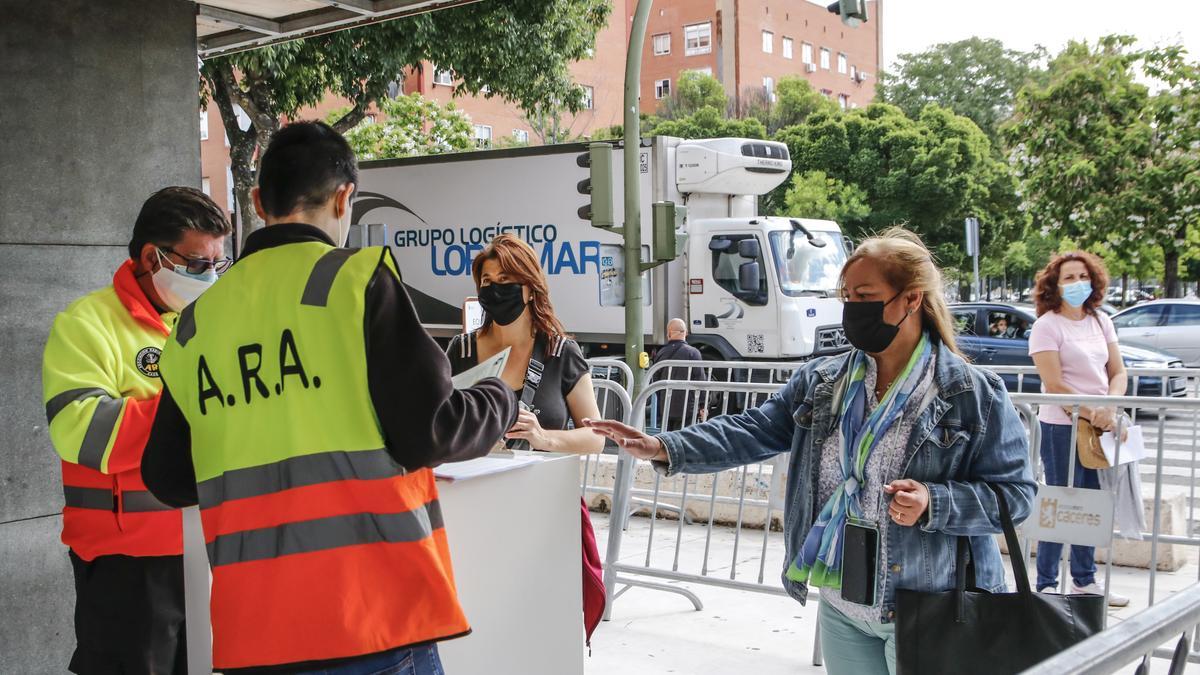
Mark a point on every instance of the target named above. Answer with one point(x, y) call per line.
point(1046, 294)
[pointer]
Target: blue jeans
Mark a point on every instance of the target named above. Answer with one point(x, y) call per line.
point(853, 647)
point(410, 661)
point(1056, 454)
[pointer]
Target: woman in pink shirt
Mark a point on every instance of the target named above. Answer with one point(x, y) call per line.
point(1074, 347)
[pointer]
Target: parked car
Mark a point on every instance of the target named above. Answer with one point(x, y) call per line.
point(978, 326)
point(1168, 325)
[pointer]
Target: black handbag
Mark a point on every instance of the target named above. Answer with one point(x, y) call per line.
point(971, 630)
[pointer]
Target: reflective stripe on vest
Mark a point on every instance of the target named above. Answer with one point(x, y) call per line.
point(134, 501)
point(295, 472)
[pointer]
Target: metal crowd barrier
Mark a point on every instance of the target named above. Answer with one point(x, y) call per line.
point(613, 400)
point(1139, 636)
point(749, 388)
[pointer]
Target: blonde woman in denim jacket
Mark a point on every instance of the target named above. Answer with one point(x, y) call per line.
point(900, 436)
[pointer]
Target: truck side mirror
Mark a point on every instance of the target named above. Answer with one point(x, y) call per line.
point(749, 276)
point(748, 248)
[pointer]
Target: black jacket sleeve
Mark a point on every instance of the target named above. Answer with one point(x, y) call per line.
point(425, 421)
point(167, 468)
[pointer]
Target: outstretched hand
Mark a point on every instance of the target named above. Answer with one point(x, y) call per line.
point(636, 443)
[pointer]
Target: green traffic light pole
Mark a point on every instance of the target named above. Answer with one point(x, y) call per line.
point(634, 330)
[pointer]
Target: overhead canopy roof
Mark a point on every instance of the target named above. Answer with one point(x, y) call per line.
point(227, 26)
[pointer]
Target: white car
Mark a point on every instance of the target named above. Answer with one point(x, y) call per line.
point(1169, 325)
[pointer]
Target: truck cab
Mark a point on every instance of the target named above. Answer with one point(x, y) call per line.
point(765, 288)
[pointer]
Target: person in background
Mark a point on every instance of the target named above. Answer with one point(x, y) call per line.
point(547, 371)
point(684, 406)
point(303, 408)
point(1074, 347)
point(101, 388)
point(545, 368)
point(999, 328)
point(900, 437)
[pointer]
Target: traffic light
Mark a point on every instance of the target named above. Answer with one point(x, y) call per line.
point(598, 159)
point(670, 237)
point(853, 12)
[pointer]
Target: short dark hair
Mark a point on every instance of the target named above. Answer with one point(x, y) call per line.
point(305, 163)
point(170, 212)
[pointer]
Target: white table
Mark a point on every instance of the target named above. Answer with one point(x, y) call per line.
point(514, 540)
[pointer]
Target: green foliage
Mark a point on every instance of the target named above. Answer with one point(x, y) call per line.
point(1104, 160)
point(812, 194)
point(411, 125)
point(520, 49)
point(928, 173)
point(708, 122)
point(795, 101)
point(693, 91)
point(977, 78)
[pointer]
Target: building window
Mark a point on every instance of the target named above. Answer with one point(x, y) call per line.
point(787, 47)
point(204, 125)
point(806, 55)
point(588, 97)
point(521, 136)
point(769, 88)
point(843, 66)
point(443, 77)
point(229, 200)
point(703, 71)
point(768, 42)
point(843, 101)
point(483, 136)
point(697, 38)
point(853, 73)
point(662, 44)
point(662, 88)
point(827, 93)
point(825, 53)
point(206, 186)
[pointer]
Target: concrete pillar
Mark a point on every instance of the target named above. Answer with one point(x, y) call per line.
point(98, 108)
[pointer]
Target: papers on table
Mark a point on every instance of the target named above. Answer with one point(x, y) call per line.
point(483, 466)
point(1132, 449)
point(489, 368)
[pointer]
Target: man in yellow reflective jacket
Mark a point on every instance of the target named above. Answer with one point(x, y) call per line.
point(101, 389)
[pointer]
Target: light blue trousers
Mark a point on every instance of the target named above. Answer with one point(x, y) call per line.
point(853, 647)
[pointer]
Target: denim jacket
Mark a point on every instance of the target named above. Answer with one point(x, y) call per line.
point(968, 436)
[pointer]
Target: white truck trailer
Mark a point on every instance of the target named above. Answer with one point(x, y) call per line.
point(750, 287)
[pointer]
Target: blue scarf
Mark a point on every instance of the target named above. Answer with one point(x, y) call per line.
point(819, 561)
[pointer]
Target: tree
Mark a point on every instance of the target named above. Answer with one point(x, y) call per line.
point(412, 125)
point(519, 49)
point(812, 194)
point(708, 122)
point(928, 173)
point(1103, 160)
point(977, 78)
point(693, 91)
point(795, 101)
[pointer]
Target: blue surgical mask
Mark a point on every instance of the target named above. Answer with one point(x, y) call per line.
point(1077, 293)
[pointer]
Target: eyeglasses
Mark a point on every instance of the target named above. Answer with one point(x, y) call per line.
point(200, 265)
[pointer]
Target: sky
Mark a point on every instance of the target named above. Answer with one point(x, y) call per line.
point(913, 25)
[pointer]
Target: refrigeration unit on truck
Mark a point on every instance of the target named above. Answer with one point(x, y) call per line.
point(749, 287)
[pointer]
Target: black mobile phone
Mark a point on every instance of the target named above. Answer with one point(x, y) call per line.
point(860, 562)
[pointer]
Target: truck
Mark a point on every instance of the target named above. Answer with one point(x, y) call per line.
point(749, 287)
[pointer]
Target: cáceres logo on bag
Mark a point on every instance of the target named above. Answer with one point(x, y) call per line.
point(147, 361)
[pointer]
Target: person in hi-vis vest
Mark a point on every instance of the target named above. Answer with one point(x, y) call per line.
point(101, 386)
point(303, 406)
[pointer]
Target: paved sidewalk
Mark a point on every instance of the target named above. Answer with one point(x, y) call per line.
point(653, 632)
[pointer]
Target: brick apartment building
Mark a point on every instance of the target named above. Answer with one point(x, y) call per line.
point(746, 44)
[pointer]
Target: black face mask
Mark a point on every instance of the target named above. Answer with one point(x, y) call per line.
point(504, 303)
point(864, 325)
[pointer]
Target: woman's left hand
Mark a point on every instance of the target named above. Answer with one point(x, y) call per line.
point(529, 429)
point(910, 499)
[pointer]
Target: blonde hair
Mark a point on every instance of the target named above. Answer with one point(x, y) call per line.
point(907, 265)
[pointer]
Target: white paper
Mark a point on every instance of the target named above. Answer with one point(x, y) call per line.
point(489, 368)
point(1132, 449)
point(482, 466)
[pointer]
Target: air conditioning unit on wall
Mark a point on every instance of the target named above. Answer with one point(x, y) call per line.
point(810, 67)
point(862, 76)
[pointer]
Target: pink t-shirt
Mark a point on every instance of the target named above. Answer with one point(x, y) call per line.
point(1082, 348)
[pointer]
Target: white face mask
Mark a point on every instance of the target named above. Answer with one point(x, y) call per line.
point(175, 287)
